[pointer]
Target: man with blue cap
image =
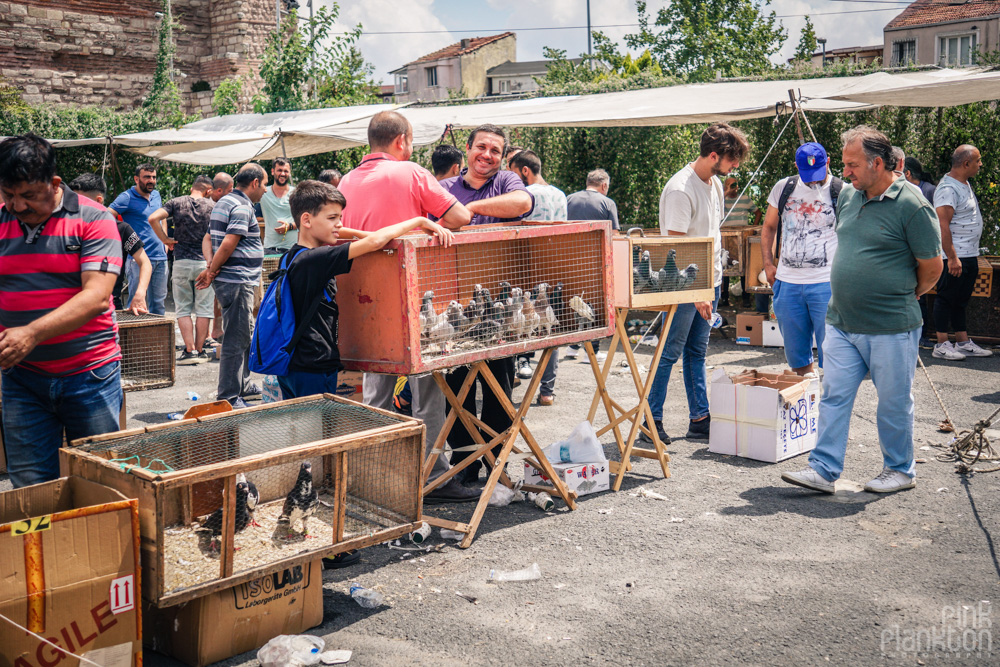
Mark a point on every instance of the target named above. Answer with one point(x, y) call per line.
point(801, 213)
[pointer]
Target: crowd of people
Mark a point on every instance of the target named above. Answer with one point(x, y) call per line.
point(847, 263)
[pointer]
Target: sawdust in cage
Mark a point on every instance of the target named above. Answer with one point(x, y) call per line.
point(190, 558)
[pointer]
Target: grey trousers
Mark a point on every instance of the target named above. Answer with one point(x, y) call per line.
point(428, 404)
point(236, 300)
point(548, 385)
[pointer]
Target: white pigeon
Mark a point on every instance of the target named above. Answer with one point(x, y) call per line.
point(518, 325)
point(545, 312)
point(584, 313)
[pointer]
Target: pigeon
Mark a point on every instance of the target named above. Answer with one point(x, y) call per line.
point(544, 310)
point(504, 295)
point(499, 316)
point(637, 280)
point(686, 277)
point(302, 501)
point(491, 326)
point(253, 496)
point(645, 275)
point(531, 318)
point(518, 324)
point(666, 278)
point(428, 317)
point(214, 521)
point(473, 314)
point(584, 313)
point(558, 304)
point(482, 295)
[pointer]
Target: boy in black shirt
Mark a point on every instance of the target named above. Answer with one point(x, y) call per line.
point(317, 208)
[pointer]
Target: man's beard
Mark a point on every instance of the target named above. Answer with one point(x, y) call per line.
point(147, 187)
point(281, 181)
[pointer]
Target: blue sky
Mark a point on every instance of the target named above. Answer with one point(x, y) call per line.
point(442, 22)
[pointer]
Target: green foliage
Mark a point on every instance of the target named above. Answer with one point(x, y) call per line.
point(164, 96)
point(698, 38)
point(606, 71)
point(226, 99)
point(297, 56)
point(807, 42)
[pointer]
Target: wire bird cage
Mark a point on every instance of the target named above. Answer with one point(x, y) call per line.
point(271, 263)
point(654, 271)
point(734, 245)
point(497, 291)
point(147, 343)
point(230, 497)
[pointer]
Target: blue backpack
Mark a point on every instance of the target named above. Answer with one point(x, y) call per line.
point(275, 333)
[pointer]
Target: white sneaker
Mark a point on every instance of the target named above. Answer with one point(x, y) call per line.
point(970, 349)
point(523, 369)
point(810, 479)
point(947, 351)
point(601, 356)
point(890, 480)
point(571, 354)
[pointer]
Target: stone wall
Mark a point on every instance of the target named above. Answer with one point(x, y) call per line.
point(104, 52)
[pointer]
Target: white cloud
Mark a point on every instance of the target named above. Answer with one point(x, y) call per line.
point(388, 52)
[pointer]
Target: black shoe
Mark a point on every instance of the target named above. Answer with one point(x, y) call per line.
point(345, 559)
point(699, 430)
point(452, 492)
point(187, 359)
point(664, 438)
point(252, 390)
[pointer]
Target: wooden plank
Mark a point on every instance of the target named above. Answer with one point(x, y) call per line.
point(228, 528)
point(157, 558)
point(340, 484)
point(446, 523)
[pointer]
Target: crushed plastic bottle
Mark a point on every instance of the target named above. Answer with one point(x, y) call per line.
point(527, 574)
point(291, 651)
point(452, 535)
point(193, 396)
point(271, 390)
point(366, 597)
point(175, 416)
point(716, 321)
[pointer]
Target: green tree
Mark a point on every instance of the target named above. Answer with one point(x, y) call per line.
point(807, 43)
point(698, 38)
point(312, 61)
point(164, 98)
point(226, 99)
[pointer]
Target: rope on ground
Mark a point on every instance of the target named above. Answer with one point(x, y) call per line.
point(970, 447)
point(948, 426)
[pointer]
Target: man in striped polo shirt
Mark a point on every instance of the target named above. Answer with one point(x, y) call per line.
point(237, 257)
point(60, 254)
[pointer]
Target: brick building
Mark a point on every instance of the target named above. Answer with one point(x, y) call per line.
point(104, 51)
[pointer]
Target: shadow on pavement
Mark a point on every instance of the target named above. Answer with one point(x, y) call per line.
point(769, 500)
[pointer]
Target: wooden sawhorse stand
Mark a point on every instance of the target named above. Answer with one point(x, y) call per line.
point(506, 439)
point(616, 412)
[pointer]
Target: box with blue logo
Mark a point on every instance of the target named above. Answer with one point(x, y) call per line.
point(583, 478)
point(763, 416)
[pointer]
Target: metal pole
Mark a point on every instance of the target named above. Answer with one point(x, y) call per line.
point(277, 13)
point(590, 50)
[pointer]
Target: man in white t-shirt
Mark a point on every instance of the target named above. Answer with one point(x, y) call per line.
point(550, 204)
point(280, 232)
point(802, 211)
point(691, 205)
point(961, 228)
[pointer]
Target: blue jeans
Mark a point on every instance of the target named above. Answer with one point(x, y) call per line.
point(156, 293)
point(801, 313)
point(892, 361)
point(688, 336)
point(301, 383)
point(38, 410)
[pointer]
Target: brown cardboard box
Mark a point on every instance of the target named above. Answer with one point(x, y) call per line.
point(70, 574)
point(349, 385)
point(238, 619)
point(749, 329)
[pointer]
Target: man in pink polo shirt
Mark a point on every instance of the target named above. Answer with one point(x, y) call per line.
point(384, 189)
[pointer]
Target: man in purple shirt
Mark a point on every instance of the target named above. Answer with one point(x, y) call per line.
point(491, 196)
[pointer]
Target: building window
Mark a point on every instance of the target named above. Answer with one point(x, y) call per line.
point(402, 84)
point(432, 77)
point(504, 86)
point(904, 53)
point(957, 50)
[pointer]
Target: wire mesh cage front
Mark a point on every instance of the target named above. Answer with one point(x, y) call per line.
point(497, 291)
point(657, 271)
point(242, 492)
point(147, 343)
point(271, 263)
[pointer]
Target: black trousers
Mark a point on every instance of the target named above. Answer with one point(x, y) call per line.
point(953, 294)
point(493, 414)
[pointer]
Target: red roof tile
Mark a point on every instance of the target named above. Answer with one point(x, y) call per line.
point(456, 49)
point(930, 12)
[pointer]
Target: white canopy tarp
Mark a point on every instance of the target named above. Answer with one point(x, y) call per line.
point(240, 138)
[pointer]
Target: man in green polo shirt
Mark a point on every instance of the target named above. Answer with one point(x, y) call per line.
point(888, 254)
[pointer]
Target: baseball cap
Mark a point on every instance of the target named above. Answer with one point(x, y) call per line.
point(811, 160)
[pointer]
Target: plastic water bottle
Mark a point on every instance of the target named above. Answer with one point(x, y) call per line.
point(716, 321)
point(192, 396)
point(175, 416)
point(366, 597)
point(527, 574)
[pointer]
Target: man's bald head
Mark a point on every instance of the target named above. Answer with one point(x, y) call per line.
point(964, 153)
point(222, 185)
point(385, 129)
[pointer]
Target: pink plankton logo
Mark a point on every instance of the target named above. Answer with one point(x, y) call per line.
point(965, 631)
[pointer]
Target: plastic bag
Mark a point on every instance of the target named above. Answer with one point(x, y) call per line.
point(582, 446)
point(503, 495)
point(291, 651)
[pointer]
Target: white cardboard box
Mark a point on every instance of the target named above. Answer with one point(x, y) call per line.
point(764, 416)
point(583, 478)
point(771, 334)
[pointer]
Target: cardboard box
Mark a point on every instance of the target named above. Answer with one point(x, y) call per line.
point(771, 334)
point(763, 416)
point(349, 385)
point(238, 619)
point(583, 478)
point(70, 574)
point(749, 329)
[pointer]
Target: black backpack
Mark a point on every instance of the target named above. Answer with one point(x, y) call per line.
point(836, 185)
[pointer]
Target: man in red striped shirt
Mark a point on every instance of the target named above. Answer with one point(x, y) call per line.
point(60, 254)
